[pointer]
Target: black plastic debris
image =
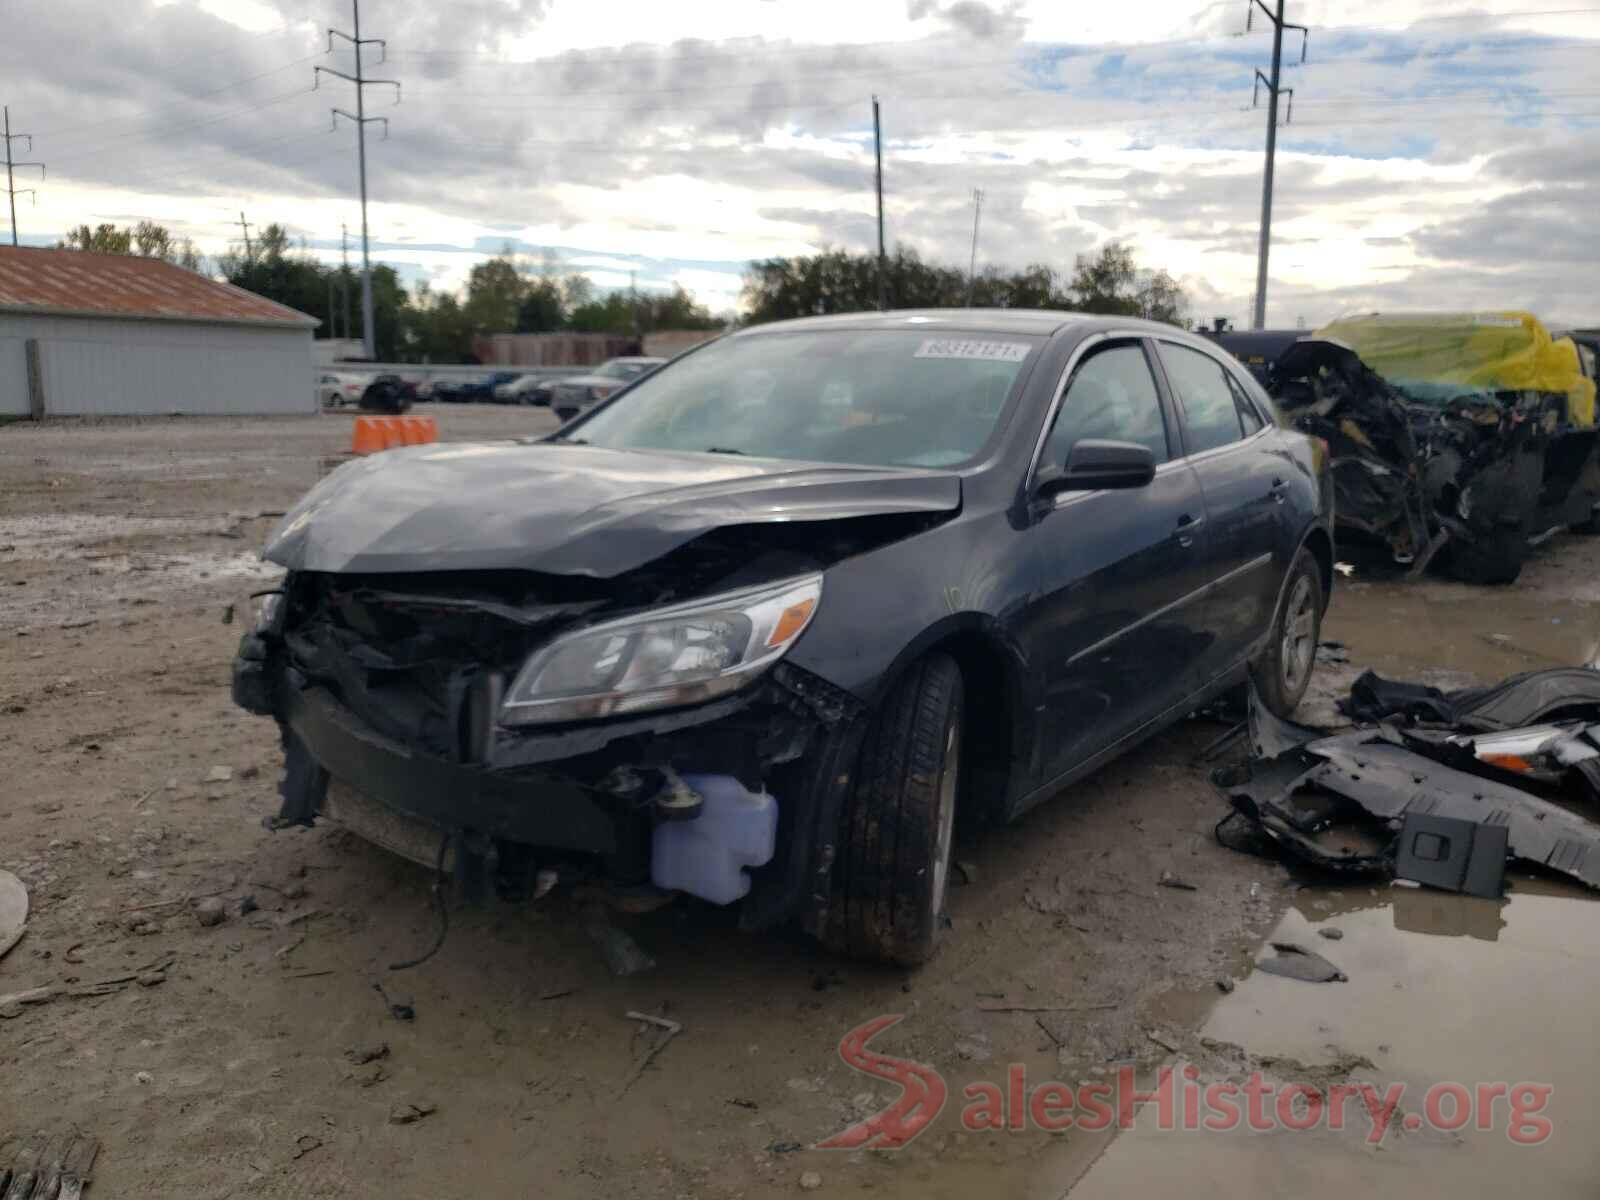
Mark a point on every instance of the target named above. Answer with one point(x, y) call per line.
point(1453, 855)
point(1287, 804)
point(1514, 703)
point(1390, 781)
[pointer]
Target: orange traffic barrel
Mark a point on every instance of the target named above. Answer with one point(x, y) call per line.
point(431, 427)
point(393, 432)
point(411, 431)
point(367, 437)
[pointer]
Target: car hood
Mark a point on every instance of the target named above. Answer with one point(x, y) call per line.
point(591, 381)
point(568, 510)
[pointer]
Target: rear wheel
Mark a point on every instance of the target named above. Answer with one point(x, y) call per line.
point(1284, 670)
point(1493, 558)
point(899, 821)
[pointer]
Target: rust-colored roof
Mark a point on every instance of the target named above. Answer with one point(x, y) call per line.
point(77, 283)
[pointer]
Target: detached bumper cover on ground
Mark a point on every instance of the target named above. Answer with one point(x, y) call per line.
point(1450, 768)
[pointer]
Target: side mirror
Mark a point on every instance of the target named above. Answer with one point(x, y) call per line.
point(1094, 464)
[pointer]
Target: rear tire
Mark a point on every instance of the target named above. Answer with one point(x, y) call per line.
point(1494, 559)
point(1284, 670)
point(898, 822)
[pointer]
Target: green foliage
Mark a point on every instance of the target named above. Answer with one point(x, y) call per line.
point(501, 294)
point(274, 268)
point(495, 291)
point(543, 308)
point(146, 239)
point(836, 281)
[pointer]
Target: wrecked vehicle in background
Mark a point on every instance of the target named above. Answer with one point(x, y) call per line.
point(758, 626)
point(1456, 435)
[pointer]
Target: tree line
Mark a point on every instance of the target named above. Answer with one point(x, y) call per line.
point(1110, 282)
point(507, 293)
point(502, 294)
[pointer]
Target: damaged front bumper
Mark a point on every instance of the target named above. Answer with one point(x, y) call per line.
point(404, 724)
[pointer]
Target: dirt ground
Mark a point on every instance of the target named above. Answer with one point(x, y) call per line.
point(223, 1068)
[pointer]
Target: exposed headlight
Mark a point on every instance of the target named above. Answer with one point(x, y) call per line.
point(660, 659)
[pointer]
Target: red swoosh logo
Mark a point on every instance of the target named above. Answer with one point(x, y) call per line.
point(922, 1093)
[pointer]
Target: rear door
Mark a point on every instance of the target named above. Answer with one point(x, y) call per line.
point(1115, 628)
point(1244, 476)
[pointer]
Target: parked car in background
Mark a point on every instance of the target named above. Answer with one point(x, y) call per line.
point(759, 626)
point(472, 391)
point(388, 394)
point(526, 389)
point(575, 393)
point(335, 388)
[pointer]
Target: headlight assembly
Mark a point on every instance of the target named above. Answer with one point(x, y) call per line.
point(662, 658)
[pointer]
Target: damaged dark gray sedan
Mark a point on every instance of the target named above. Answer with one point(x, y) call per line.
point(762, 625)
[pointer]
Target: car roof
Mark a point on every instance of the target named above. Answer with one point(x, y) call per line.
point(1035, 321)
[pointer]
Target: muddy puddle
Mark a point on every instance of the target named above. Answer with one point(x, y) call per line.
point(1448, 998)
point(1454, 633)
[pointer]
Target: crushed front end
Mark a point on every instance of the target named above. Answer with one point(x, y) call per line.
point(406, 711)
point(1423, 468)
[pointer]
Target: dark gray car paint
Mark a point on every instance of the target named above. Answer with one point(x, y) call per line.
point(1019, 579)
point(568, 509)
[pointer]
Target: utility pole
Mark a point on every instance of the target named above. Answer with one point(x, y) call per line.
point(1273, 92)
point(245, 225)
point(369, 349)
point(344, 277)
point(877, 143)
point(12, 165)
point(972, 264)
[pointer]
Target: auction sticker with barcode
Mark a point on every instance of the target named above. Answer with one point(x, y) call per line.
point(971, 349)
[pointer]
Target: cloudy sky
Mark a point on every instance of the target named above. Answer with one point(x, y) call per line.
point(1440, 154)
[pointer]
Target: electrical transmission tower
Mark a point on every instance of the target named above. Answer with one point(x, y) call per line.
point(1274, 90)
point(12, 165)
point(249, 255)
point(369, 350)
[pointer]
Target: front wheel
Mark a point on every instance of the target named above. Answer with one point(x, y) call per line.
point(898, 822)
point(1283, 672)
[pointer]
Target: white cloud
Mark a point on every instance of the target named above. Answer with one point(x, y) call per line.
point(680, 159)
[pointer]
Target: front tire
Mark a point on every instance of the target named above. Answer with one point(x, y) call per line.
point(1283, 672)
point(898, 822)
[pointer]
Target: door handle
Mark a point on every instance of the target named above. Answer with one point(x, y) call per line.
point(1187, 524)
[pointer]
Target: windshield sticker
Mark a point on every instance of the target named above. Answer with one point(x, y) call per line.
point(976, 351)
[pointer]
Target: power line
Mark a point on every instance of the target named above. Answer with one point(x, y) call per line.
point(1274, 89)
point(93, 150)
point(369, 348)
point(227, 87)
point(12, 165)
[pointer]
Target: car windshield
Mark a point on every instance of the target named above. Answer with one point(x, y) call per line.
point(872, 397)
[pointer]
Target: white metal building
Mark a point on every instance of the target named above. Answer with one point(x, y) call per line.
point(110, 334)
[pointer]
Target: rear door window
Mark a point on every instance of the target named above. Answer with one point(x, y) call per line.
point(1205, 397)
